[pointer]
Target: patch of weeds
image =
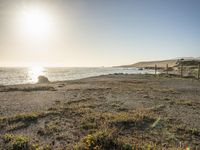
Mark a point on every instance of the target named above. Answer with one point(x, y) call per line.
point(124, 120)
point(93, 120)
point(2, 122)
point(194, 131)
point(8, 89)
point(18, 121)
point(17, 126)
point(37, 147)
point(7, 137)
point(102, 140)
point(29, 117)
point(184, 102)
point(48, 129)
point(25, 117)
point(16, 142)
point(39, 88)
point(28, 89)
point(89, 123)
point(20, 142)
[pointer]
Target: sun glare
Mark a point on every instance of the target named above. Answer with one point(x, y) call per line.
point(34, 72)
point(35, 22)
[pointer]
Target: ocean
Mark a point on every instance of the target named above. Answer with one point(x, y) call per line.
point(13, 76)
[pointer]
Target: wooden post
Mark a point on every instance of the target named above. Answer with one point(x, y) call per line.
point(198, 73)
point(155, 69)
point(181, 70)
point(167, 68)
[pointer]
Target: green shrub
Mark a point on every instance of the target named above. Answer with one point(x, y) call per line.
point(16, 142)
point(102, 141)
point(8, 137)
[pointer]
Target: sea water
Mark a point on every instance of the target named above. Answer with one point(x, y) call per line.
point(12, 76)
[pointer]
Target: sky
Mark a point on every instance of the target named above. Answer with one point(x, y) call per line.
point(89, 33)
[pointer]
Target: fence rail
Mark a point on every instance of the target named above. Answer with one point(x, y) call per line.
point(180, 71)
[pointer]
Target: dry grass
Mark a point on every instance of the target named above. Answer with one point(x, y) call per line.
point(27, 89)
point(124, 130)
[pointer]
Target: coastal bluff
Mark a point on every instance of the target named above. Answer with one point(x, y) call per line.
point(172, 63)
point(151, 64)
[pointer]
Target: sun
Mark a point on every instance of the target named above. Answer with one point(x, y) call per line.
point(35, 22)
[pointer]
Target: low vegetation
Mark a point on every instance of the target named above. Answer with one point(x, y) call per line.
point(27, 89)
point(102, 140)
point(99, 120)
point(122, 130)
point(15, 142)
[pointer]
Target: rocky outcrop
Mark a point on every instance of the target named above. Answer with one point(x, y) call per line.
point(43, 79)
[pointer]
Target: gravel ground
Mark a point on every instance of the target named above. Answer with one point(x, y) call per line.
point(176, 99)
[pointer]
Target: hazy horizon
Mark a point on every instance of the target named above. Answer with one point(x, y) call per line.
point(97, 33)
point(65, 66)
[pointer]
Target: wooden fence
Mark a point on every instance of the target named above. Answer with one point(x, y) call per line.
point(180, 69)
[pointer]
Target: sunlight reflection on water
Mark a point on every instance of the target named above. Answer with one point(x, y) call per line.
point(34, 72)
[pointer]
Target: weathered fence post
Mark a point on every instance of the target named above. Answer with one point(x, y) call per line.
point(198, 73)
point(181, 70)
point(167, 68)
point(155, 69)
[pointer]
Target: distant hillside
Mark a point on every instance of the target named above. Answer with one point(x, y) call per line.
point(162, 64)
point(150, 64)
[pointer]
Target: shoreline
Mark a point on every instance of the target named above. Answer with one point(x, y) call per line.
point(53, 78)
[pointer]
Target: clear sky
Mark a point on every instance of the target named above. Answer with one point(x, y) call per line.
point(97, 33)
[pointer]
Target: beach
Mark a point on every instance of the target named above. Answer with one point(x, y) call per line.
point(126, 110)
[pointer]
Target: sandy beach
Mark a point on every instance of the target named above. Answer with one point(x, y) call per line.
point(127, 111)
